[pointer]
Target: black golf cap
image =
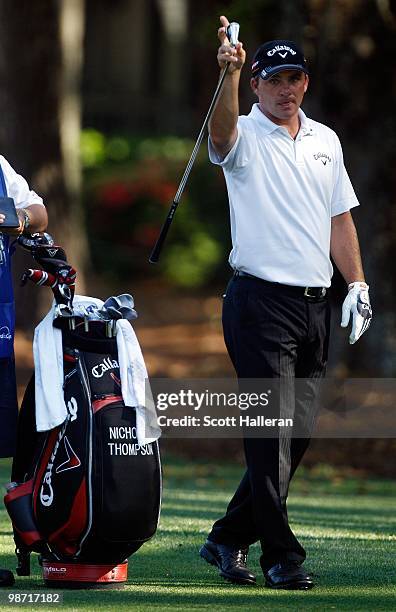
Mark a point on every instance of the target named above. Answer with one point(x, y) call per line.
point(277, 55)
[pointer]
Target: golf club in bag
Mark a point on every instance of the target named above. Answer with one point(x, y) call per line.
point(86, 488)
point(232, 34)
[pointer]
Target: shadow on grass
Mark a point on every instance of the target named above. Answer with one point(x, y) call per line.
point(256, 598)
point(354, 570)
point(383, 521)
point(201, 588)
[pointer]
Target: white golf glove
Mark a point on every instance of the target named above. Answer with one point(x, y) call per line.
point(357, 302)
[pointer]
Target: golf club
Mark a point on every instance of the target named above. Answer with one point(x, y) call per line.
point(232, 34)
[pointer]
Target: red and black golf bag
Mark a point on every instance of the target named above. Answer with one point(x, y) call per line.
point(85, 494)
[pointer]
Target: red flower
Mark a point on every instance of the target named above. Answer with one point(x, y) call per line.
point(164, 192)
point(115, 195)
point(146, 235)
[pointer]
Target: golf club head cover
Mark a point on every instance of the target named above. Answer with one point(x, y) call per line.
point(357, 303)
point(62, 283)
point(49, 257)
point(30, 242)
point(38, 277)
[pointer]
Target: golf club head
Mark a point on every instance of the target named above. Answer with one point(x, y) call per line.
point(129, 313)
point(233, 33)
point(121, 304)
point(123, 300)
point(113, 313)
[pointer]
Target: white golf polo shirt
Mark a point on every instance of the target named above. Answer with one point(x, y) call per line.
point(282, 195)
point(17, 187)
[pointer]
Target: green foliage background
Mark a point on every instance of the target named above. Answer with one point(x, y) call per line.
point(130, 183)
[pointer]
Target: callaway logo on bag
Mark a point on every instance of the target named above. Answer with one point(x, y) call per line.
point(72, 408)
point(72, 460)
point(46, 489)
point(104, 366)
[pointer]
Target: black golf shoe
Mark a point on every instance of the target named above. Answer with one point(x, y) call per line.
point(230, 560)
point(288, 575)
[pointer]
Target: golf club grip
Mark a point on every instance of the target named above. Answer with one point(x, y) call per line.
point(156, 252)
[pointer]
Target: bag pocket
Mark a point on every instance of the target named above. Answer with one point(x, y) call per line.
point(18, 502)
point(127, 478)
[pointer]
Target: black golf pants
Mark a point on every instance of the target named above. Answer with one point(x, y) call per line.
point(272, 331)
point(8, 407)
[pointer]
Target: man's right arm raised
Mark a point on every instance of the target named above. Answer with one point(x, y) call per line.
point(223, 123)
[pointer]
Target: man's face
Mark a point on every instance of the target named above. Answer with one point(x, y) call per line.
point(281, 95)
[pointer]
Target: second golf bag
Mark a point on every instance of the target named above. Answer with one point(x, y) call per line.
point(86, 492)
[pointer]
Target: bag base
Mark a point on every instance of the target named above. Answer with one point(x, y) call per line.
point(84, 575)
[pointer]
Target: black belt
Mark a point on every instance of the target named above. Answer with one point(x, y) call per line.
point(315, 293)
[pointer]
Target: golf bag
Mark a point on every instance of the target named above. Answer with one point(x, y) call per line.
point(85, 494)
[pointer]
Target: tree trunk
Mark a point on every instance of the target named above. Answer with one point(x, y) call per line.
point(40, 63)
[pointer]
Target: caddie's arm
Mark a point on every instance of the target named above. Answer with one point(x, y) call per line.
point(32, 218)
point(38, 218)
point(223, 123)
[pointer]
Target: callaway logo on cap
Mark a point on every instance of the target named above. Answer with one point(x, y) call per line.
point(277, 55)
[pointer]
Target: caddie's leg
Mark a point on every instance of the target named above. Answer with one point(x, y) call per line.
point(8, 407)
point(8, 420)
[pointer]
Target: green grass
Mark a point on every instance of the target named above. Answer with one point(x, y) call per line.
point(347, 524)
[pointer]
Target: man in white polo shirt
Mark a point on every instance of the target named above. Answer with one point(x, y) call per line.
point(290, 200)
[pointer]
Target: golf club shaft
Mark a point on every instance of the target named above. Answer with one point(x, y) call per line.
point(154, 257)
point(200, 137)
point(155, 254)
point(232, 31)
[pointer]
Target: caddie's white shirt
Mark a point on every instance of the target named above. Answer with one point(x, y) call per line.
point(17, 187)
point(282, 195)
